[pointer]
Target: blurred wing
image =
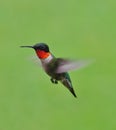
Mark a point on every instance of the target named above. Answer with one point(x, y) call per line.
point(36, 60)
point(68, 65)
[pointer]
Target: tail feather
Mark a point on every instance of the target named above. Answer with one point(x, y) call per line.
point(72, 91)
point(68, 84)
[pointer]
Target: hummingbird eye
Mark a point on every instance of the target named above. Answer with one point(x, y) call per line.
point(41, 46)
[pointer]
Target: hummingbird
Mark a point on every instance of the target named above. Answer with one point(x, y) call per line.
point(56, 68)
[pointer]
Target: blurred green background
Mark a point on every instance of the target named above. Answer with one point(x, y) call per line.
point(72, 28)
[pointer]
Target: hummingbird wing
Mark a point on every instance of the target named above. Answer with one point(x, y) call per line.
point(65, 65)
point(36, 60)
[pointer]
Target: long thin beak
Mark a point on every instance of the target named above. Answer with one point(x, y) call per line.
point(27, 46)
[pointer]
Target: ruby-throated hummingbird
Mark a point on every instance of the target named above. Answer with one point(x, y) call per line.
point(56, 68)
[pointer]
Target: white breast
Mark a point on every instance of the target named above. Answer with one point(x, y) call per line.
point(47, 60)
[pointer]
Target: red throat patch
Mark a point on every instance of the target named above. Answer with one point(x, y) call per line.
point(42, 54)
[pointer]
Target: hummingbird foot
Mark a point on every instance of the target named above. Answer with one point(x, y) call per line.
point(54, 81)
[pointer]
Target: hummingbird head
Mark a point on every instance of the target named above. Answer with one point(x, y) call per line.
point(42, 50)
point(41, 47)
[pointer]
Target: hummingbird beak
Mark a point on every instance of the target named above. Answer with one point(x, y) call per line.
point(28, 46)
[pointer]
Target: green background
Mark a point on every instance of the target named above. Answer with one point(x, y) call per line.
point(75, 29)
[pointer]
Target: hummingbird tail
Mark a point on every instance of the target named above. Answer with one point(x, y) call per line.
point(72, 91)
point(68, 84)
